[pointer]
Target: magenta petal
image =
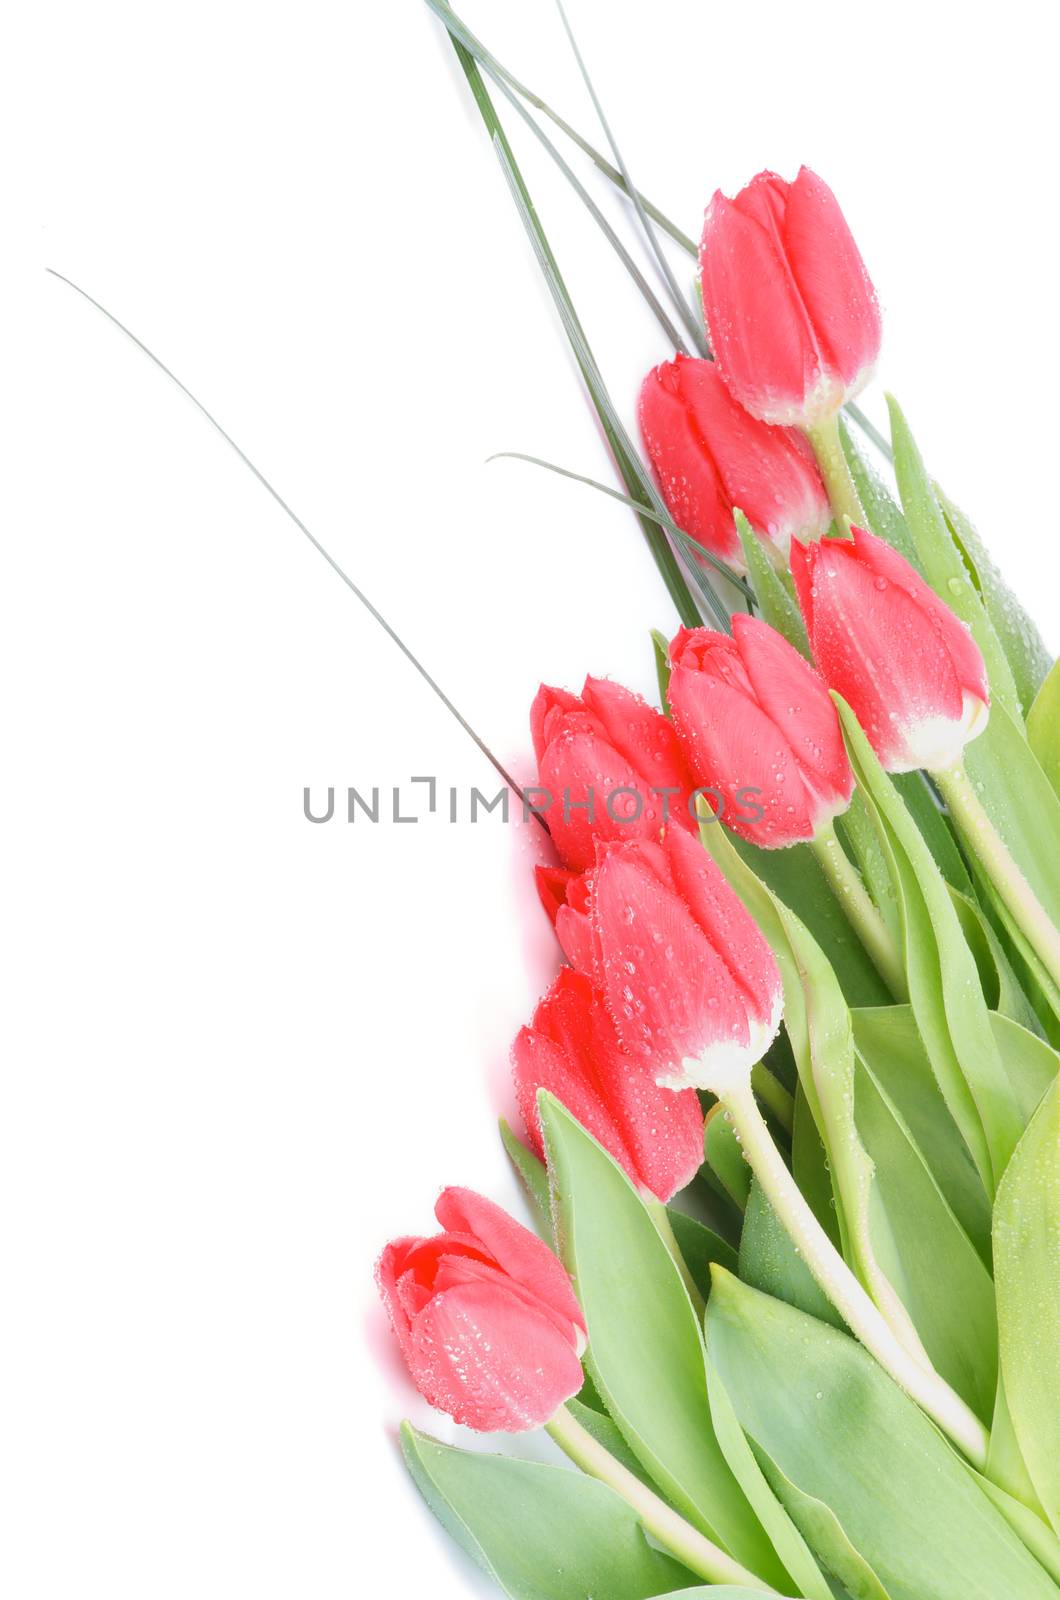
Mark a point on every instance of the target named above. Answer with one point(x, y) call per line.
point(834, 285)
point(520, 1252)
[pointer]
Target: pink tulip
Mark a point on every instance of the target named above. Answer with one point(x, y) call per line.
point(610, 767)
point(758, 726)
point(572, 1049)
point(565, 897)
point(709, 455)
point(485, 1317)
point(791, 314)
point(690, 981)
point(910, 671)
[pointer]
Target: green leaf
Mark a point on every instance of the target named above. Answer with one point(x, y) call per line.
point(775, 596)
point(701, 1248)
point(1043, 727)
point(661, 651)
point(541, 1532)
point(944, 986)
point(796, 878)
point(924, 809)
point(1020, 639)
point(884, 518)
point(533, 1177)
point(645, 1350)
point(941, 561)
point(843, 1433)
point(770, 1262)
point(1027, 1270)
point(823, 1531)
point(926, 1254)
point(725, 1157)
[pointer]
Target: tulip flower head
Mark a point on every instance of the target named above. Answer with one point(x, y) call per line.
point(709, 455)
point(791, 313)
point(485, 1316)
point(909, 669)
point(758, 726)
point(691, 983)
point(572, 1049)
point(609, 765)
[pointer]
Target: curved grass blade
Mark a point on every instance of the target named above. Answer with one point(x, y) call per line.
point(688, 317)
point(313, 540)
point(693, 547)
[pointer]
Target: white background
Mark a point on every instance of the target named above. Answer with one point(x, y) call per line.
point(244, 1050)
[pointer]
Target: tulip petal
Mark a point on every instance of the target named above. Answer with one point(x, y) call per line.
point(541, 1063)
point(641, 734)
point(835, 287)
point(513, 1247)
point(762, 338)
point(679, 446)
point(490, 1360)
point(796, 697)
point(546, 703)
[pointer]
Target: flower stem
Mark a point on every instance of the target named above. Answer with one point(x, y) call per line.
point(861, 912)
point(684, 1541)
point(833, 1275)
point(661, 1218)
point(828, 448)
point(1005, 874)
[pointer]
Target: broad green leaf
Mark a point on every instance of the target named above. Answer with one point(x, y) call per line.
point(533, 1177)
point(701, 1248)
point(1043, 727)
point(944, 986)
point(715, 1591)
point(775, 597)
point(884, 517)
point(540, 1532)
point(599, 1425)
point(1001, 988)
point(795, 877)
point(941, 561)
point(801, 1568)
point(823, 1531)
point(923, 807)
point(888, 1040)
point(1005, 1466)
point(809, 1165)
point(1020, 639)
point(645, 1350)
point(1033, 1529)
point(818, 1026)
point(725, 1157)
point(770, 1262)
point(838, 1428)
point(926, 1254)
point(1027, 1271)
point(1021, 803)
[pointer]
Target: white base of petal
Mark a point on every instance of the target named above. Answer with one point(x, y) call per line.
point(725, 1064)
point(937, 743)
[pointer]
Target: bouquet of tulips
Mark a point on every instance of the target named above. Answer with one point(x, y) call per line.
point(791, 1125)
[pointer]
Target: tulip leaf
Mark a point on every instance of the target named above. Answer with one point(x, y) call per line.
point(533, 1177)
point(1001, 987)
point(823, 1530)
point(725, 1157)
point(920, 802)
point(818, 1026)
point(541, 1532)
point(776, 601)
point(884, 517)
point(770, 1262)
point(1027, 1268)
point(660, 646)
point(645, 1351)
point(714, 1591)
point(796, 878)
point(1043, 727)
point(941, 560)
point(817, 1405)
point(944, 985)
point(1020, 639)
point(701, 1248)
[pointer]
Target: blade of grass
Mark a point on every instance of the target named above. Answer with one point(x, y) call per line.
point(693, 547)
point(688, 316)
point(300, 525)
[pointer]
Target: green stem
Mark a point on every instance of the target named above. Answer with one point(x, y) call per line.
point(661, 1217)
point(831, 458)
point(831, 1272)
point(861, 911)
point(690, 1546)
point(1007, 877)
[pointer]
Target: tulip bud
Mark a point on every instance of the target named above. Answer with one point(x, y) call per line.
point(758, 726)
point(485, 1316)
point(690, 982)
point(791, 314)
point(709, 455)
point(572, 1049)
point(610, 765)
point(909, 669)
